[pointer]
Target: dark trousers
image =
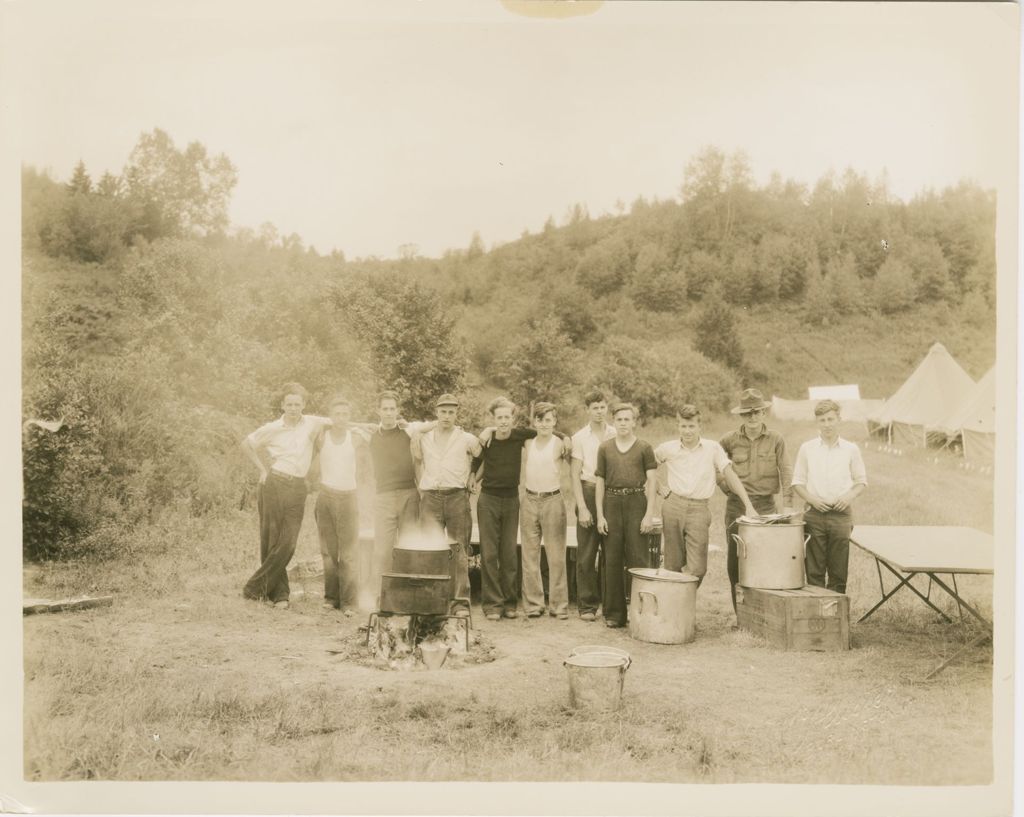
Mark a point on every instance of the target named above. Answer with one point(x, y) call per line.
point(450, 510)
point(337, 523)
point(498, 519)
point(828, 549)
point(281, 502)
point(624, 547)
point(588, 544)
point(734, 510)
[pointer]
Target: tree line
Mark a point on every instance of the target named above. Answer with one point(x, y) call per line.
point(158, 333)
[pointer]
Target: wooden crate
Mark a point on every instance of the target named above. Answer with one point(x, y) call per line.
point(808, 618)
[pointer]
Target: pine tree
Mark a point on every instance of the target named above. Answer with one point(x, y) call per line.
point(80, 181)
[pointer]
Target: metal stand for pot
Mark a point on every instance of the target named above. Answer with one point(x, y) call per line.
point(465, 621)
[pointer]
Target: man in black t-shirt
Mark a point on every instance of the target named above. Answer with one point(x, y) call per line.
point(626, 484)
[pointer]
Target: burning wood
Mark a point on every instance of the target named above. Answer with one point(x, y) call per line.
point(394, 638)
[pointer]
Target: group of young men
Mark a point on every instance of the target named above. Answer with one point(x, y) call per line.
point(425, 472)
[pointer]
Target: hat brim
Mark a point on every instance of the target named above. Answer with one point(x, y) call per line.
point(745, 409)
point(438, 405)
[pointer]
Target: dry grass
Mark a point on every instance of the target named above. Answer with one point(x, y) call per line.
point(183, 680)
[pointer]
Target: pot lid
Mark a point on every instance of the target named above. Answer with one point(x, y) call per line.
point(660, 574)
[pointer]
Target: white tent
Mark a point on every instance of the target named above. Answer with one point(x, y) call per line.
point(973, 419)
point(923, 400)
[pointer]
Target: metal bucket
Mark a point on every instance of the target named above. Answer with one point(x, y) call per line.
point(662, 606)
point(771, 557)
point(591, 649)
point(595, 680)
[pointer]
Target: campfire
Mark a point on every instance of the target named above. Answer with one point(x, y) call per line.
point(413, 624)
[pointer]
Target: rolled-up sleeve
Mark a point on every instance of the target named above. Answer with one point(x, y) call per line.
point(800, 467)
point(720, 458)
point(858, 473)
point(262, 435)
point(577, 448)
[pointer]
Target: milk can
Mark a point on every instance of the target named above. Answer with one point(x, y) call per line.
point(662, 606)
point(771, 557)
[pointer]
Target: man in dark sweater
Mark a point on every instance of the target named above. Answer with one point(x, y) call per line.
point(497, 508)
point(396, 506)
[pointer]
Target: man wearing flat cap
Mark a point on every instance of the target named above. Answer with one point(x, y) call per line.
point(446, 452)
point(759, 457)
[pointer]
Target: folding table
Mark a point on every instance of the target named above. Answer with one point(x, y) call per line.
point(907, 550)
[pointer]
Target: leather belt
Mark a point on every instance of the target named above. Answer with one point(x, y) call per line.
point(623, 491)
point(336, 492)
point(542, 494)
point(443, 491)
point(289, 477)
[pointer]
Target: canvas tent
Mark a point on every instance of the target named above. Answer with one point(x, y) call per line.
point(973, 420)
point(922, 402)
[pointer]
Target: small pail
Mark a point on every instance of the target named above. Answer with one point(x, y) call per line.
point(589, 649)
point(434, 654)
point(595, 680)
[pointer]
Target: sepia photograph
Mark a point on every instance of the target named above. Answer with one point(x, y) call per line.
point(592, 407)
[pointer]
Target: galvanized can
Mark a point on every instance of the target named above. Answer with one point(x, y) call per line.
point(662, 606)
point(771, 557)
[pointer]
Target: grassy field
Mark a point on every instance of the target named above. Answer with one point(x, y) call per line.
point(184, 680)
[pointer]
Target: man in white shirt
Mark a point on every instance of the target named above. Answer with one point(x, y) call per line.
point(584, 485)
point(337, 508)
point(446, 452)
point(694, 464)
point(288, 443)
point(543, 517)
point(828, 475)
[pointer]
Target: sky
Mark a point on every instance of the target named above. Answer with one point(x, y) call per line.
point(363, 127)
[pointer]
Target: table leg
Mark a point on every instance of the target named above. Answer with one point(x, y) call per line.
point(960, 601)
point(904, 581)
point(976, 642)
point(959, 607)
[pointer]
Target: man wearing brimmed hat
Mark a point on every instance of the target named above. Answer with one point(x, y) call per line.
point(446, 452)
point(759, 459)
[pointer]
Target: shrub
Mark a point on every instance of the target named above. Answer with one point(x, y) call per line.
point(659, 378)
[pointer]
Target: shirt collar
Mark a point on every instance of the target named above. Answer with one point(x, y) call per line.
point(764, 430)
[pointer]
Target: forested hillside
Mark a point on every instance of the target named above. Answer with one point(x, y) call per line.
point(159, 334)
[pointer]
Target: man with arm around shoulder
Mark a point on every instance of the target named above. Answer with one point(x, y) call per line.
point(337, 506)
point(445, 452)
point(543, 516)
point(585, 443)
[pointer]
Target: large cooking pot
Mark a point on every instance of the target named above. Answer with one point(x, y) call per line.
point(771, 557)
point(662, 606)
point(425, 562)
